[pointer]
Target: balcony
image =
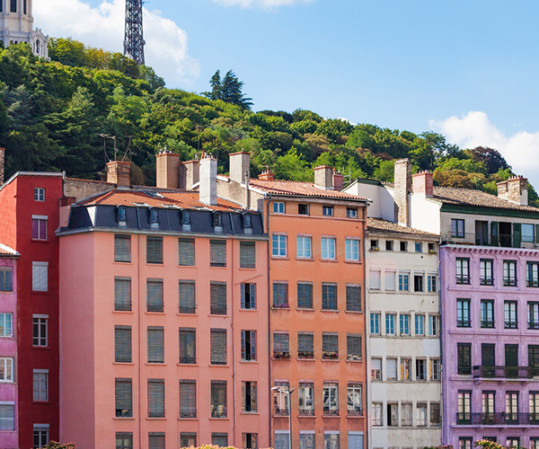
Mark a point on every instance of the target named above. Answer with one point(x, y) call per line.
point(331, 411)
point(498, 419)
point(280, 411)
point(505, 372)
point(463, 279)
point(307, 411)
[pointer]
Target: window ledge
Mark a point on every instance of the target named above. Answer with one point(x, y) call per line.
point(123, 363)
point(187, 418)
point(354, 360)
point(186, 314)
point(355, 416)
point(330, 360)
point(354, 312)
point(217, 365)
point(154, 313)
point(332, 416)
point(280, 308)
point(122, 263)
point(299, 359)
point(155, 364)
point(329, 260)
point(330, 310)
point(304, 309)
point(195, 365)
point(124, 418)
point(40, 293)
point(249, 362)
point(214, 418)
point(249, 413)
point(40, 241)
point(213, 315)
point(248, 310)
point(280, 257)
point(355, 262)
point(307, 416)
point(307, 259)
point(124, 312)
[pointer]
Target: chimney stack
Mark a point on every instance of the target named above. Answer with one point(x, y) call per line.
point(119, 173)
point(208, 181)
point(422, 183)
point(402, 186)
point(189, 174)
point(266, 176)
point(338, 181)
point(515, 189)
point(323, 177)
point(167, 167)
point(239, 165)
point(2, 164)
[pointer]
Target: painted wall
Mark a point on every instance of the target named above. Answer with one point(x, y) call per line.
point(424, 213)
point(382, 206)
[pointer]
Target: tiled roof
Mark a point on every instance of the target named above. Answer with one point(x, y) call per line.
point(7, 251)
point(385, 226)
point(157, 198)
point(300, 189)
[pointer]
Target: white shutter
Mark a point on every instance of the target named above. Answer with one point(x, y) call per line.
point(374, 280)
point(355, 440)
point(390, 280)
point(40, 276)
point(391, 369)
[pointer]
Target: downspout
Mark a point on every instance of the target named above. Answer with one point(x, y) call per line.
point(233, 337)
point(442, 367)
point(367, 383)
point(139, 340)
point(269, 318)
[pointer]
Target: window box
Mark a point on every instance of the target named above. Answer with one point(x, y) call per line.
point(281, 355)
point(305, 354)
point(330, 355)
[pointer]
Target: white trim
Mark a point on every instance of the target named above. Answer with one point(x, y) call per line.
point(307, 432)
point(282, 432)
point(41, 426)
point(331, 432)
point(36, 315)
point(40, 217)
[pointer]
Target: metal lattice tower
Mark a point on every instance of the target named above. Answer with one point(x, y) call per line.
point(134, 38)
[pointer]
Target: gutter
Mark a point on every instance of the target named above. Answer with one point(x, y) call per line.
point(270, 414)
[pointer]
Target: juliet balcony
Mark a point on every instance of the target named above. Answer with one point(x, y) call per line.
point(498, 419)
point(505, 372)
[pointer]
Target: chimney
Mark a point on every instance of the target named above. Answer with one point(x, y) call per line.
point(515, 189)
point(167, 170)
point(422, 183)
point(323, 177)
point(189, 174)
point(2, 164)
point(338, 181)
point(208, 181)
point(119, 173)
point(239, 165)
point(402, 186)
point(266, 176)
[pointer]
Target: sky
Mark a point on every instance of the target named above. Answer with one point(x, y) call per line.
point(468, 69)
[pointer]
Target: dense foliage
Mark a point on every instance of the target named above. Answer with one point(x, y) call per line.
point(54, 114)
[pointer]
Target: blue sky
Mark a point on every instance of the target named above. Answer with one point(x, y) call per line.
point(468, 69)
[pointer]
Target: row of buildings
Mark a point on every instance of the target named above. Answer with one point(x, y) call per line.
point(262, 313)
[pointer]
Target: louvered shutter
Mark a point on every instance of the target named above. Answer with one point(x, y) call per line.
point(40, 276)
point(353, 344)
point(305, 343)
point(188, 398)
point(280, 343)
point(218, 253)
point(156, 398)
point(305, 295)
point(155, 345)
point(374, 278)
point(122, 248)
point(5, 280)
point(156, 440)
point(122, 344)
point(187, 345)
point(186, 252)
point(247, 255)
point(218, 298)
point(154, 292)
point(355, 441)
point(330, 343)
point(280, 295)
point(122, 294)
point(7, 417)
point(389, 280)
point(218, 346)
point(187, 297)
point(353, 298)
point(124, 398)
point(154, 249)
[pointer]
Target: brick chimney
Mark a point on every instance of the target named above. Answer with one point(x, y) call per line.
point(402, 186)
point(208, 181)
point(119, 173)
point(239, 166)
point(189, 174)
point(2, 164)
point(266, 176)
point(422, 183)
point(323, 177)
point(338, 181)
point(167, 170)
point(515, 189)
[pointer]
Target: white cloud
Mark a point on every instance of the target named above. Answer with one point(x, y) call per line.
point(521, 150)
point(103, 27)
point(266, 4)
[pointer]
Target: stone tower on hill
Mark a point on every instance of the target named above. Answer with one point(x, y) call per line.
point(17, 25)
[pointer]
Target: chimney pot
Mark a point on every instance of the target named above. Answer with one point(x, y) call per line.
point(266, 176)
point(323, 177)
point(119, 173)
point(423, 183)
point(208, 181)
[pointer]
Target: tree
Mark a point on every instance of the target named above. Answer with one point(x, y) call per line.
point(491, 158)
point(229, 89)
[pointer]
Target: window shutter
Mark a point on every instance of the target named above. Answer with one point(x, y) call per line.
point(330, 343)
point(280, 295)
point(188, 398)
point(218, 253)
point(154, 291)
point(218, 346)
point(155, 345)
point(305, 343)
point(247, 255)
point(186, 251)
point(374, 278)
point(355, 441)
point(218, 298)
point(390, 280)
point(305, 295)
point(156, 398)
point(122, 248)
point(187, 345)
point(156, 440)
point(187, 297)
point(517, 235)
point(124, 397)
point(122, 344)
point(353, 343)
point(122, 294)
point(353, 298)
point(5, 280)
point(40, 275)
point(7, 417)
point(154, 249)
point(280, 343)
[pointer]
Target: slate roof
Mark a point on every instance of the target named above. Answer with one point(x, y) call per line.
point(388, 227)
point(295, 188)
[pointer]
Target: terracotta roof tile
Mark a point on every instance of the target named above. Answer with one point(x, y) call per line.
point(300, 189)
point(380, 225)
point(7, 251)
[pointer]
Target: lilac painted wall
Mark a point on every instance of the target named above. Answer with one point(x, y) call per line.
point(476, 335)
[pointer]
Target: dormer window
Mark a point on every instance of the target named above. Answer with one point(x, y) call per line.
point(154, 218)
point(247, 223)
point(121, 216)
point(217, 222)
point(186, 220)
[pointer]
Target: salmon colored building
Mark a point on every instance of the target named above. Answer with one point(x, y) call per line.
point(164, 320)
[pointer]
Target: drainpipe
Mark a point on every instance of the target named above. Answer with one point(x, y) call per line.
point(367, 383)
point(442, 365)
point(233, 310)
point(268, 258)
point(139, 341)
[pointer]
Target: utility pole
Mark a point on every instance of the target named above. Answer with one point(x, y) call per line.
point(134, 36)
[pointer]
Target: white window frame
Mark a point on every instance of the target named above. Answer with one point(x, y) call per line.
point(40, 337)
point(282, 243)
point(34, 391)
point(352, 252)
point(43, 428)
point(39, 194)
point(304, 250)
point(328, 248)
point(278, 207)
point(8, 369)
point(40, 218)
point(3, 317)
point(36, 267)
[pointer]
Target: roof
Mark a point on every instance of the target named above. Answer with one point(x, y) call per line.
point(301, 189)
point(7, 251)
point(157, 198)
point(388, 227)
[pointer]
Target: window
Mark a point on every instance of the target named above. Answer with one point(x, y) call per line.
point(156, 398)
point(217, 253)
point(351, 212)
point(327, 211)
point(156, 440)
point(464, 401)
point(533, 407)
point(509, 273)
point(435, 414)
point(280, 295)
point(331, 440)
point(306, 399)
point(329, 296)
point(7, 416)
point(457, 228)
point(418, 283)
point(403, 247)
point(6, 369)
point(510, 314)
point(305, 345)
point(154, 250)
point(377, 417)
point(218, 399)
point(353, 347)
point(305, 295)
point(432, 248)
point(122, 294)
point(156, 353)
point(247, 255)
point(534, 442)
point(420, 325)
point(403, 282)
point(532, 270)
point(511, 407)
point(389, 245)
point(376, 369)
point(219, 439)
point(281, 348)
point(533, 359)
point(218, 347)
point(40, 276)
point(41, 435)
point(40, 385)
point(393, 415)
point(249, 440)
point(303, 209)
point(331, 398)
point(486, 272)
point(512, 442)
point(354, 399)
point(434, 369)
point(217, 222)
point(330, 346)
point(406, 414)
point(404, 324)
point(406, 369)
point(39, 194)
point(218, 300)
point(431, 283)
point(121, 216)
point(5, 280)
point(6, 325)
point(353, 298)
point(39, 227)
point(463, 313)
point(434, 325)
point(187, 297)
point(187, 345)
point(390, 323)
point(391, 369)
point(186, 252)
point(122, 248)
point(351, 250)
point(188, 439)
point(154, 295)
point(390, 281)
point(304, 247)
point(122, 344)
point(188, 398)
point(280, 398)
point(328, 248)
point(185, 220)
point(487, 313)
point(124, 398)
point(248, 397)
point(528, 234)
point(466, 443)
point(278, 245)
point(421, 369)
point(13, 6)
point(374, 245)
point(375, 323)
point(487, 404)
point(418, 247)
point(463, 271)
point(374, 279)
point(533, 315)
point(307, 440)
point(248, 345)
point(464, 354)
point(248, 296)
point(278, 207)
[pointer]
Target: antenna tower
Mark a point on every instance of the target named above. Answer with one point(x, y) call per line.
point(134, 39)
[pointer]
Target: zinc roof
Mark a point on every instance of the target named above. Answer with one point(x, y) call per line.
point(296, 188)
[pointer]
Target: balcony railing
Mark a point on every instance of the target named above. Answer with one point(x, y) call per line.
point(281, 411)
point(488, 324)
point(331, 411)
point(532, 283)
point(505, 372)
point(498, 419)
point(486, 280)
point(306, 411)
point(463, 279)
point(509, 282)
